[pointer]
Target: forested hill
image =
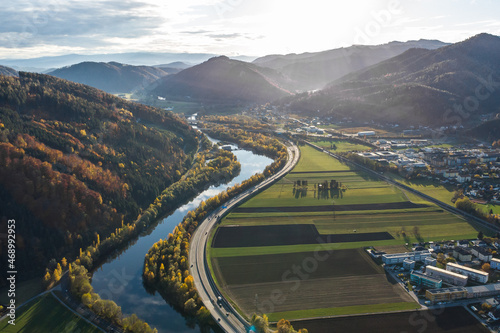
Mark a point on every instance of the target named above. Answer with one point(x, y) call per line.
point(418, 87)
point(223, 80)
point(7, 71)
point(113, 77)
point(77, 163)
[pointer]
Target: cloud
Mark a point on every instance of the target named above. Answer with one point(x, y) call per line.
point(71, 23)
point(197, 32)
point(225, 36)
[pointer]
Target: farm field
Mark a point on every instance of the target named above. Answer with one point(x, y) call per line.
point(438, 191)
point(328, 279)
point(46, 315)
point(341, 146)
point(449, 320)
point(268, 244)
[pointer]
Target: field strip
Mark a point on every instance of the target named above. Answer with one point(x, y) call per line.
point(344, 310)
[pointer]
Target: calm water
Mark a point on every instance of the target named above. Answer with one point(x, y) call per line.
point(121, 278)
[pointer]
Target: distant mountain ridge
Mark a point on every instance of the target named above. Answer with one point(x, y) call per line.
point(315, 70)
point(432, 87)
point(112, 77)
point(42, 64)
point(8, 71)
point(223, 80)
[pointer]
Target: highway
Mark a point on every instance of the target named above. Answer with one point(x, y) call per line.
point(222, 311)
point(441, 204)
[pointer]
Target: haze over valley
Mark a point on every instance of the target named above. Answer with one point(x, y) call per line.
point(235, 166)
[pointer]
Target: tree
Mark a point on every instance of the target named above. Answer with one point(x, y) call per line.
point(64, 263)
point(486, 267)
point(284, 326)
point(480, 235)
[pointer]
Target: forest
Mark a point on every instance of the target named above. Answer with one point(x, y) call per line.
point(78, 163)
point(166, 264)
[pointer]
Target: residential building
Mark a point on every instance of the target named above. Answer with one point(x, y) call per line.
point(481, 253)
point(425, 280)
point(408, 264)
point(447, 276)
point(462, 253)
point(429, 261)
point(495, 263)
point(473, 274)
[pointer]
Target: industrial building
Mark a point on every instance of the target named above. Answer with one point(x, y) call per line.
point(425, 280)
point(447, 276)
point(398, 258)
point(473, 274)
point(366, 133)
point(446, 294)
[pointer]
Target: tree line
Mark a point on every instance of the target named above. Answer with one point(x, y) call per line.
point(166, 265)
point(210, 166)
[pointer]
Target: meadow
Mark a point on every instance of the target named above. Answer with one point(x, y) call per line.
point(46, 315)
point(250, 267)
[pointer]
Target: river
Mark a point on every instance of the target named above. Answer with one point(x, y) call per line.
point(120, 279)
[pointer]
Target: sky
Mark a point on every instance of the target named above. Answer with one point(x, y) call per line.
point(35, 28)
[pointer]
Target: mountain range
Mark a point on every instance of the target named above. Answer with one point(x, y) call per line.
point(223, 80)
point(46, 64)
point(445, 86)
point(113, 77)
point(313, 71)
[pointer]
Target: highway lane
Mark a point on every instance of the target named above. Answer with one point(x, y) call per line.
point(225, 315)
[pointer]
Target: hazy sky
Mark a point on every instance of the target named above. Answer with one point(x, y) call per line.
point(33, 28)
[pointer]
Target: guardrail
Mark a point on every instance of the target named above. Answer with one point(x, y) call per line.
point(217, 215)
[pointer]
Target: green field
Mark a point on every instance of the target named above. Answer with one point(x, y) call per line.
point(46, 315)
point(488, 207)
point(345, 310)
point(341, 146)
point(250, 274)
point(438, 191)
point(25, 290)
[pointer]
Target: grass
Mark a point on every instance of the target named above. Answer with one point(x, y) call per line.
point(46, 315)
point(25, 290)
point(488, 207)
point(314, 160)
point(341, 146)
point(342, 311)
point(431, 188)
point(245, 272)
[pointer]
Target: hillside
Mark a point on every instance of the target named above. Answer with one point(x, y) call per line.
point(418, 87)
point(7, 71)
point(112, 77)
point(77, 163)
point(222, 80)
point(315, 70)
point(488, 131)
